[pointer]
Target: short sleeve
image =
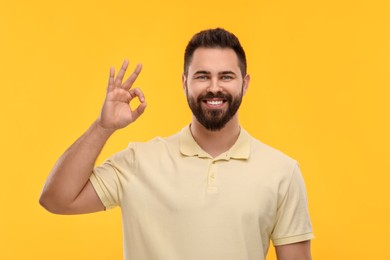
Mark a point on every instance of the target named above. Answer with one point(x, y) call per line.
point(109, 178)
point(293, 221)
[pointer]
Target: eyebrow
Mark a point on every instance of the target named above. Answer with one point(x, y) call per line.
point(226, 72)
point(202, 72)
point(220, 73)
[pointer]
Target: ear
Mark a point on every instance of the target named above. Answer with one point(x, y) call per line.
point(184, 82)
point(245, 84)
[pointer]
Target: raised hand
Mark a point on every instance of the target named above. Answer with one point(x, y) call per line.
point(116, 112)
point(68, 189)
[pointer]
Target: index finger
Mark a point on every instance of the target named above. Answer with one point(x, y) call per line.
point(130, 80)
point(121, 73)
point(111, 78)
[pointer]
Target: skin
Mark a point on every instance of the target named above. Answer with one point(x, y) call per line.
point(68, 189)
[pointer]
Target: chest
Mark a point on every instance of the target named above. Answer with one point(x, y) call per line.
point(232, 189)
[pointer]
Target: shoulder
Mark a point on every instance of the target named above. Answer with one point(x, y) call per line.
point(271, 162)
point(260, 150)
point(153, 149)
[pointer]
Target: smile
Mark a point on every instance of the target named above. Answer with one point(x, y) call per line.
point(214, 102)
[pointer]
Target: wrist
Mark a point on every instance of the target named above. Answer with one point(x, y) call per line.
point(102, 131)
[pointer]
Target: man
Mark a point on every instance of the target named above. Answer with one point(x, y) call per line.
point(210, 191)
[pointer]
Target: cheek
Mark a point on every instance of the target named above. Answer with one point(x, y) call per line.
point(234, 89)
point(193, 95)
point(194, 89)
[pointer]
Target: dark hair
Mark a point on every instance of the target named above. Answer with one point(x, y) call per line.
point(215, 38)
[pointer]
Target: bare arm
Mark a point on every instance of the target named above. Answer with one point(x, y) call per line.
point(296, 251)
point(67, 189)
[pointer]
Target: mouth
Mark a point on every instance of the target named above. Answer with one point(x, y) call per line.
point(214, 102)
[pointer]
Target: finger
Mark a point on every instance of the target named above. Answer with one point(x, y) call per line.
point(139, 110)
point(136, 92)
point(111, 78)
point(129, 82)
point(121, 73)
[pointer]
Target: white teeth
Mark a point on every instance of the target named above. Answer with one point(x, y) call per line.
point(214, 103)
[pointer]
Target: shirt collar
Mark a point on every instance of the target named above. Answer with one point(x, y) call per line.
point(240, 149)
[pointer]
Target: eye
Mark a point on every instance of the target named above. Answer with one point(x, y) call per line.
point(201, 77)
point(226, 77)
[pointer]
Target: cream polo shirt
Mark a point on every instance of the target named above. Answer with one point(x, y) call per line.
point(179, 203)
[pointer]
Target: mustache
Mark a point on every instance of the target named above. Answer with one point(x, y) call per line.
point(219, 94)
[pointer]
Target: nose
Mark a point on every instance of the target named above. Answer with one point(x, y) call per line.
point(214, 86)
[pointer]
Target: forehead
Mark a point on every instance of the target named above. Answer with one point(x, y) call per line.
point(214, 60)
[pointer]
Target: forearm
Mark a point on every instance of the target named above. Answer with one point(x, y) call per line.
point(296, 251)
point(73, 169)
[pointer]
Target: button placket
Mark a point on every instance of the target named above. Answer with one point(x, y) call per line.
point(212, 186)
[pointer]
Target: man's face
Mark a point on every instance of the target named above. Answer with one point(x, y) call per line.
point(214, 86)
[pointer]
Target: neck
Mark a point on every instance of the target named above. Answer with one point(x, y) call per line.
point(216, 142)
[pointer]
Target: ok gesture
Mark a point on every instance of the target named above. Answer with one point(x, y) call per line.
point(116, 112)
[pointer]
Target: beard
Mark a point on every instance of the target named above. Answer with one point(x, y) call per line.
point(214, 119)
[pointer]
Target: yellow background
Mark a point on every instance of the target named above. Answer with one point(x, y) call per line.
point(320, 92)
